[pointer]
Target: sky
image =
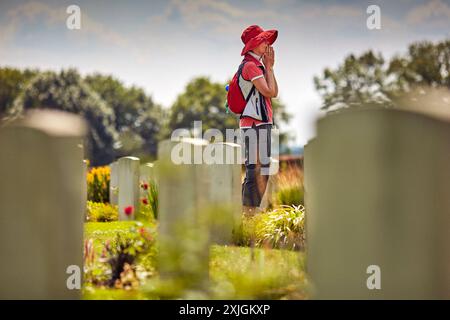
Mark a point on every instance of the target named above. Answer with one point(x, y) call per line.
point(161, 45)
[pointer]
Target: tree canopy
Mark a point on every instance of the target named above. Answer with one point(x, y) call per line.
point(67, 91)
point(370, 79)
point(12, 83)
point(139, 121)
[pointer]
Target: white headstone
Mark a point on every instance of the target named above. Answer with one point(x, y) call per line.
point(128, 175)
point(147, 173)
point(183, 212)
point(377, 187)
point(42, 202)
point(225, 191)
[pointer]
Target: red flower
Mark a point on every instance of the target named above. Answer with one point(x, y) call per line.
point(128, 210)
point(144, 201)
point(145, 186)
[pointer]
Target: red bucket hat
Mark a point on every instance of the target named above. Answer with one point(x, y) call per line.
point(254, 35)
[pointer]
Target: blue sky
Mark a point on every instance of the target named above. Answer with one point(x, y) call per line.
point(161, 45)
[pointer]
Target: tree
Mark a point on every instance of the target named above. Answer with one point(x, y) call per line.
point(12, 82)
point(67, 91)
point(138, 119)
point(369, 79)
point(203, 100)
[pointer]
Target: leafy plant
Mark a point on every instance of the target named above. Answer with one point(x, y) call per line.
point(98, 179)
point(101, 212)
point(149, 205)
point(123, 252)
point(283, 228)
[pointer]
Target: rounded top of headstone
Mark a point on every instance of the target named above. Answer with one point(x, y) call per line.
point(194, 141)
point(229, 144)
point(130, 158)
point(53, 122)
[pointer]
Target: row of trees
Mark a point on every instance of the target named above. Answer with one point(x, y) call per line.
point(371, 79)
point(123, 120)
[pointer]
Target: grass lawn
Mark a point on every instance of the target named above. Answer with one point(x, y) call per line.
point(235, 272)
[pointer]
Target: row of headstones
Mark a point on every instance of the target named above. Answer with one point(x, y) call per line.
point(43, 202)
point(200, 203)
point(221, 183)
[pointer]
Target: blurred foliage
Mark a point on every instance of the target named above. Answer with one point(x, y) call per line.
point(234, 272)
point(98, 180)
point(122, 254)
point(12, 83)
point(101, 212)
point(247, 273)
point(139, 121)
point(370, 79)
point(118, 254)
point(67, 91)
point(242, 273)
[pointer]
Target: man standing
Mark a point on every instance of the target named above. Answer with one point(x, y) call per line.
point(257, 118)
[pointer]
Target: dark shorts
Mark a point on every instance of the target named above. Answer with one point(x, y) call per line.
point(257, 148)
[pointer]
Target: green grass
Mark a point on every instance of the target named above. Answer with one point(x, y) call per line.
point(235, 272)
point(246, 273)
point(102, 231)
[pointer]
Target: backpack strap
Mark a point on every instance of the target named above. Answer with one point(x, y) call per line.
point(253, 86)
point(262, 103)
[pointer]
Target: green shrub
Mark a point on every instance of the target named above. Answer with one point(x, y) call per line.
point(283, 228)
point(291, 195)
point(101, 212)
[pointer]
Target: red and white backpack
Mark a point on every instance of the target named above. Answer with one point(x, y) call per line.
point(244, 99)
